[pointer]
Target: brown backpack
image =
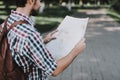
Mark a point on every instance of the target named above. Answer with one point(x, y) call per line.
point(8, 68)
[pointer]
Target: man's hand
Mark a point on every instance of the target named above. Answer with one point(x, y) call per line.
point(50, 36)
point(80, 46)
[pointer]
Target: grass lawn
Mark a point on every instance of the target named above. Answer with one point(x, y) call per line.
point(114, 14)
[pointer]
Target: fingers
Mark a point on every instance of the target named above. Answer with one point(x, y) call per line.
point(53, 32)
point(80, 46)
point(81, 41)
point(50, 36)
point(53, 37)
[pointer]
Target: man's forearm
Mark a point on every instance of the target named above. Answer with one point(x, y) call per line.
point(64, 62)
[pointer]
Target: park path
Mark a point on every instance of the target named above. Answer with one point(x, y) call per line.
point(101, 59)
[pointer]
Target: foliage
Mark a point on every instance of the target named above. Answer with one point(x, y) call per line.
point(116, 5)
point(51, 18)
point(114, 14)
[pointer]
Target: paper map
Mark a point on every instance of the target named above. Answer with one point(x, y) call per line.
point(70, 32)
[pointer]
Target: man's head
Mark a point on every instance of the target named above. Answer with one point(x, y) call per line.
point(33, 5)
point(21, 3)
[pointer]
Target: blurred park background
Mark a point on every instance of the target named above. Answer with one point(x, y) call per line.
point(101, 59)
point(53, 11)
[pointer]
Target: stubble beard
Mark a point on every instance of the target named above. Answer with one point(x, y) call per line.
point(34, 12)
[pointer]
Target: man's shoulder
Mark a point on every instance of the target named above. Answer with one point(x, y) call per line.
point(25, 28)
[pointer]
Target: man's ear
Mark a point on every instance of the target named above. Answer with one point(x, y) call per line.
point(31, 2)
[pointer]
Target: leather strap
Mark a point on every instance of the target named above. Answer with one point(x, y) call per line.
point(5, 23)
point(4, 27)
point(12, 25)
point(16, 23)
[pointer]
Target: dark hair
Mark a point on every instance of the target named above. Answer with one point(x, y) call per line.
point(21, 3)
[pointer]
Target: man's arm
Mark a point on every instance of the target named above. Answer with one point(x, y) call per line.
point(64, 62)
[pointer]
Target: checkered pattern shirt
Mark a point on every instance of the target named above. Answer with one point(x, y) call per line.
point(28, 48)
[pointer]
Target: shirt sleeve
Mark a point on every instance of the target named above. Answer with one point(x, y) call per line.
point(39, 55)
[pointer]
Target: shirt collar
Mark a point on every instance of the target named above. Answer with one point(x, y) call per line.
point(23, 16)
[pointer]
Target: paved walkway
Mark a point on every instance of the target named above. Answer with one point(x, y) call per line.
point(101, 59)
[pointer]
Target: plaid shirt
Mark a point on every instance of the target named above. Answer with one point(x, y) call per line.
point(28, 48)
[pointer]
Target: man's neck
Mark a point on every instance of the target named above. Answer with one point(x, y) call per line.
point(24, 10)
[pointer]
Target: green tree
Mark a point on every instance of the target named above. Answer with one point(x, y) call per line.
point(8, 3)
point(116, 5)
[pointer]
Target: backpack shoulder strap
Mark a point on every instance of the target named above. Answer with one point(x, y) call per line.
point(16, 23)
point(12, 25)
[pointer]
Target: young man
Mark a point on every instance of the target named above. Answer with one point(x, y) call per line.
point(28, 47)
